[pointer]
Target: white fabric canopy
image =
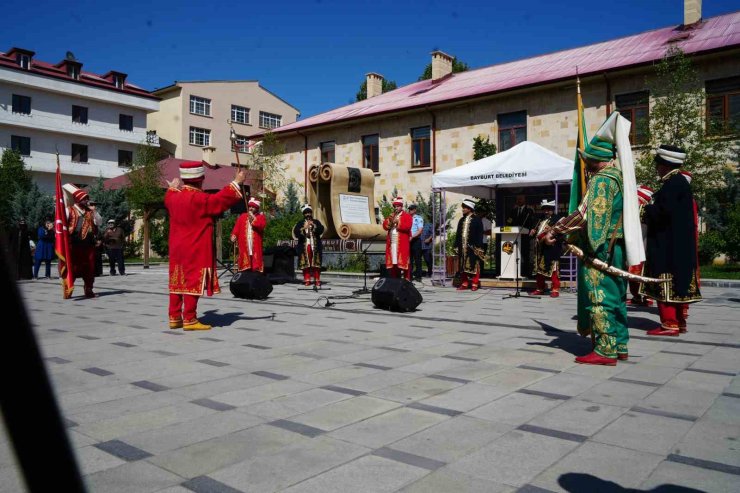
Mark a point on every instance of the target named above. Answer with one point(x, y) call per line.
point(524, 164)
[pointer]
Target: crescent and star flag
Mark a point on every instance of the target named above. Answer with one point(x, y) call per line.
point(61, 238)
point(578, 185)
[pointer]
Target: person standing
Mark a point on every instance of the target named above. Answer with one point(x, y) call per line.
point(469, 245)
point(44, 249)
point(192, 260)
point(397, 241)
point(547, 257)
point(417, 227)
point(308, 232)
point(644, 196)
point(522, 215)
point(671, 244)
point(247, 234)
point(113, 239)
point(602, 309)
point(84, 223)
point(427, 243)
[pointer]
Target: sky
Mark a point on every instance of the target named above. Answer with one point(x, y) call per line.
point(314, 54)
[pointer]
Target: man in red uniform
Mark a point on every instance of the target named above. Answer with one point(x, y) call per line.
point(247, 234)
point(398, 240)
point(192, 262)
point(84, 223)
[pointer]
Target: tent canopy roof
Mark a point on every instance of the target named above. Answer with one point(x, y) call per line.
point(526, 163)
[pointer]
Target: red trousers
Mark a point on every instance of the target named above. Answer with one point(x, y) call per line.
point(312, 272)
point(673, 315)
point(396, 272)
point(176, 307)
point(464, 277)
point(83, 265)
point(555, 282)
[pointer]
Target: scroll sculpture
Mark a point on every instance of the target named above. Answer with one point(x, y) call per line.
point(343, 199)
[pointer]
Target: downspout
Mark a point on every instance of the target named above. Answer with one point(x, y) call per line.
point(305, 165)
point(608, 96)
point(434, 140)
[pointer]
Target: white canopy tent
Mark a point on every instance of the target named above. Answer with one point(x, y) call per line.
point(526, 163)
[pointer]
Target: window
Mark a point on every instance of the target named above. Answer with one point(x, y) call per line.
point(24, 61)
point(420, 147)
point(241, 143)
point(79, 153)
point(239, 114)
point(327, 152)
point(126, 122)
point(200, 136)
point(723, 106)
point(125, 158)
point(370, 152)
point(119, 81)
point(73, 70)
point(512, 129)
point(21, 144)
point(200, 106)
point(635, 107)
point(21, 104)
point(79, 114)
point(269, 120)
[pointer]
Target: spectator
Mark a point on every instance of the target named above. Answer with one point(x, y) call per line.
point(44, 249)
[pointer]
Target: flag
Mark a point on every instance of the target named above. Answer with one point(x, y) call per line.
point(61, 238)
point(578, 185)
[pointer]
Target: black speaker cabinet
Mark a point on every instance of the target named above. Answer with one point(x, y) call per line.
point(250, 285)
point(397, 295)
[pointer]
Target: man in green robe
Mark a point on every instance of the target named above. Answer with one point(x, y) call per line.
point(596, 226)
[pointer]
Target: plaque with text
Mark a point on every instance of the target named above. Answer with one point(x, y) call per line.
point(355, 209)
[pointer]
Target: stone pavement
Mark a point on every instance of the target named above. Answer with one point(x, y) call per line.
point(470, 393)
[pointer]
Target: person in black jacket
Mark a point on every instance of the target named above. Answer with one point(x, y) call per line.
point(547, 257)
point(308, 232)
point(523, 216)
point(469, 245)
point(672, 244)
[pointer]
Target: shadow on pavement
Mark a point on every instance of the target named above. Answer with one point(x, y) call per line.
point(212, 317)
point(578, 483)
point(567, 341)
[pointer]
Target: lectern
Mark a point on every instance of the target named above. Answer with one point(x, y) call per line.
point(511, 240)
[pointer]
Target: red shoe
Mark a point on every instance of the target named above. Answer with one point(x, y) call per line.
point(537, 292)
point(623, 356)
point(462, 287)
point(596, 359)
point(474, 287)
point(306, 283)
point(554, 294)
point(661, 331)
point(318, 284)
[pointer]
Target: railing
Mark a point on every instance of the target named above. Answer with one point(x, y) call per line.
point(152, 138)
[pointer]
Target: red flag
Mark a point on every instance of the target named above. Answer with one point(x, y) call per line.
point(61, 238)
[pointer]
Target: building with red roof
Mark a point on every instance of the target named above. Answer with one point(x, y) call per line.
point(94, 121)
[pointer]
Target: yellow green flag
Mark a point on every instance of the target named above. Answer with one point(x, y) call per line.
point(578, 185)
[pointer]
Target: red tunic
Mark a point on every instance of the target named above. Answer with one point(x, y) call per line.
point(404, 241)
point(192, 262)
point(245, 261)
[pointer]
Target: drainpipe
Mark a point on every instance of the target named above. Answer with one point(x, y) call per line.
point(434, 140)
point(608, 95)
point(305, 166)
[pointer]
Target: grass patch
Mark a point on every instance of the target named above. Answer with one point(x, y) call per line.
point(728, 271)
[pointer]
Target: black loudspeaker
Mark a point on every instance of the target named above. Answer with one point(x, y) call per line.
point(250, 285)
point(397, 295)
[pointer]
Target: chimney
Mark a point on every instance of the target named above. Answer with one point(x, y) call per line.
point(374, 85)
point(209, 154)
point(441, 65)
point(691, 12)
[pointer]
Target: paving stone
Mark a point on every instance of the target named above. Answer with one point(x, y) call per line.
point(627, 468)
point(92, 459)
point(447, 480)
point(670, 474)
point(515, 409)
point(466, 397)
point(644, 432)
point(204, 484)
point(576, 416)
point(681, 401)
point(565, 383)
point(345, 412)
point(518, 457)
point(713, 441)
point(123, 450)
point(388, 427)
point(414, 390)
point(620, 394)
point(133, 477)
point(725, 409)
point(515, 378)
point(367, 474)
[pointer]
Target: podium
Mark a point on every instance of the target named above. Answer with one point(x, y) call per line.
point(511, 240)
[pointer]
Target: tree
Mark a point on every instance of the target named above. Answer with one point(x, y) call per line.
point(291, 203)
point(266, 158)
point(14, 178)
point(677, 118)
point(483, 148)
point(387, 85)
point(111, 204)
point(425, 207)
point(457, 66)
point(33, 205)
point(145, 193)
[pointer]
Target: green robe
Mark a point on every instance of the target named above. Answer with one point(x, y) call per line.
point(601, 297)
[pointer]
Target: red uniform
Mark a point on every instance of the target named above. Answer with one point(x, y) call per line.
point(400, 245)
point(83, 231)
point(249, 240)
point(192, 263)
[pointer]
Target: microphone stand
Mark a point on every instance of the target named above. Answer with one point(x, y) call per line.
point(517, 292)
point(364, 289)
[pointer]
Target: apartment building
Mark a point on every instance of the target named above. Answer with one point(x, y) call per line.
point(408, 134)
point(198, 114)
point(94, 122)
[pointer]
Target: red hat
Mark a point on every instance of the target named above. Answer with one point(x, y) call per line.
point(398, 201)
point(254, 203)
point(77, 194)
point(644, 194)
point(192, 170)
